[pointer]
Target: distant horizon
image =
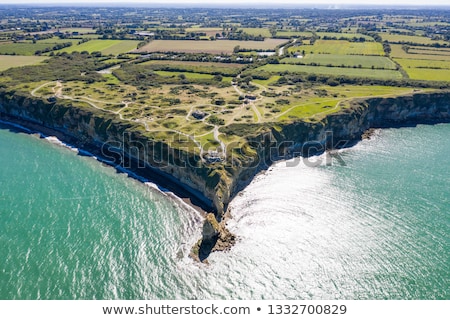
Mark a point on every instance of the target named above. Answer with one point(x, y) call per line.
point(237, 3)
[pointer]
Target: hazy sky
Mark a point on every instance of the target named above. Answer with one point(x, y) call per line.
point(240, 2)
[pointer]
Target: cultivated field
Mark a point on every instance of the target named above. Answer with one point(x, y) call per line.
point(285, 33)
point(428, 74)
point(7, 62)
point(420, 53)
point(339, 35)
point(213, 47)
point(350, 72)
point(56, 40)
point(341, 47)
point(413, 39)
point(426, 69)
point(419, 63)
point(335, 60)
point(23, 49)
point(257, 31)
point(104, 46)
point(441, 53)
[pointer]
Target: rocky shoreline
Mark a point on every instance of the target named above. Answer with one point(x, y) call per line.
point(207, 188)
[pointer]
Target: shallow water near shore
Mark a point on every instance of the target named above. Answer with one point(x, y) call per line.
point(376, 228)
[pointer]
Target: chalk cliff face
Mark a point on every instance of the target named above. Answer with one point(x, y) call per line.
point(214, 185)
point(351, 122)
point(344, 128)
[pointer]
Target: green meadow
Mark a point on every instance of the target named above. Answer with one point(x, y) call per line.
point(336, 71)
point(377, 62)
point(341, 47)
point(7, 62)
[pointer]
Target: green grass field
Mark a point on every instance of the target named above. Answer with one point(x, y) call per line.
point(7, 62)
point(377, 62)
point(426, 69)
point(413, 39)
point(213, 47)
point(121, 47)
point(350, 72)
point(419, 63)
point(398, 52)
point(422, 53)
point(428, 74)
point(267, 82)
point(317, 107)
point(341, 47)
point(56, 40)
point(104, 46)
point(344, 35)
point(23, 49)
point(441, 53)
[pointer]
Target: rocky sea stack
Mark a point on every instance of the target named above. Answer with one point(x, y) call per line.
point(215, 237)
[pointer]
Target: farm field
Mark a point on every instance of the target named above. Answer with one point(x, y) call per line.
point(413, 39)
point(398, 52)
point(420, 53)
point(7, 62)
point(338, 35)
point(350, 72)
point(23, 49)
point(217, 103)
point(419, 63)
point(377, 62)
point(257, 31)
point(194, 66)
point(341, 47)
point(105, 46)
point(289, 33)
point(213, 47)
point(428, 74)
point(440, 53)
point(56, 40)
point(121, 47)
point(426, 69)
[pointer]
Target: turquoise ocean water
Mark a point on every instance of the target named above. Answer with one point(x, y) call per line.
point(376, 228)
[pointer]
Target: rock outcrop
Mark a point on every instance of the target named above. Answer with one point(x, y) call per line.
point(215, 237)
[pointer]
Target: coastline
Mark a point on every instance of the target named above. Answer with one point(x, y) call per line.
point(206, 187)
point(20, 126)
point(213, 192)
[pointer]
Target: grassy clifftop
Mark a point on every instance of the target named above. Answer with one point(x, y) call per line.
point(206, 135)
